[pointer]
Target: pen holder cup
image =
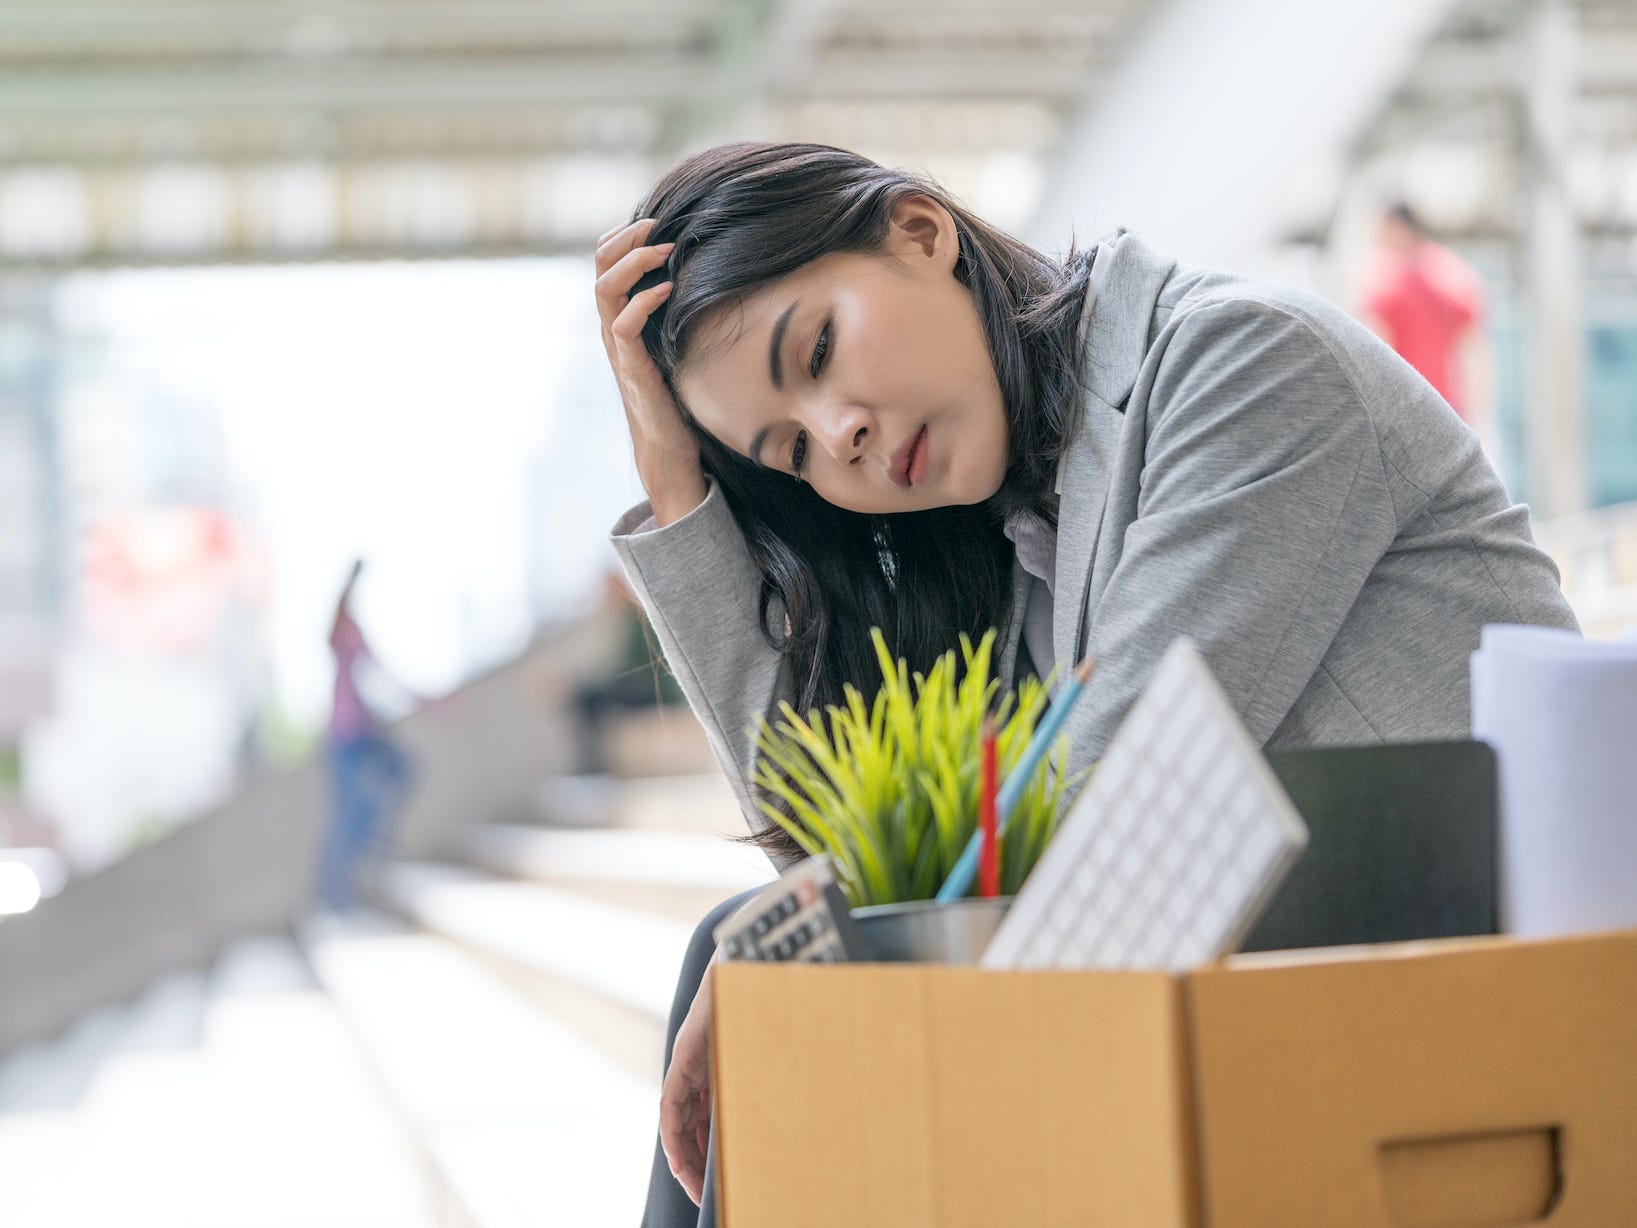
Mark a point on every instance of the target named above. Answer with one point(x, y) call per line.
point(927, 932)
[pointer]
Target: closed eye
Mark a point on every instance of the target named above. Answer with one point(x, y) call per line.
point(821, 350)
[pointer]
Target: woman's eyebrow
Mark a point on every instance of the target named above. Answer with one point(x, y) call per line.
point(774, 364)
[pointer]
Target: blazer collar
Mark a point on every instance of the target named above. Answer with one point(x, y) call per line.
point(1127, 280)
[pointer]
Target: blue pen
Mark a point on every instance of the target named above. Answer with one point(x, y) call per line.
point(960, 878)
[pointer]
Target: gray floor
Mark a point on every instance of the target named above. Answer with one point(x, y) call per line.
point(480, 1049)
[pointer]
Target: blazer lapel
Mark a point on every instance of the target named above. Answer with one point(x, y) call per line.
point(1127, 280)
point(1013, 635)
point(1079, 519)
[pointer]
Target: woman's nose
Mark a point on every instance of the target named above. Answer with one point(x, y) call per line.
point(845, 437)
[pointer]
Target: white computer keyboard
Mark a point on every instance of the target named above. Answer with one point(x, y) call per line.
point(1169, 854)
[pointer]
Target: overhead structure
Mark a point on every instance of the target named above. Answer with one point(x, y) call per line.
point(1514, 136)
point(211, 131)
point(1268, 135)
point(1225, 122)
point(1504, 94)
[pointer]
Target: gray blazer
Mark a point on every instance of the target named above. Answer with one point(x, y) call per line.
point(1255, 470)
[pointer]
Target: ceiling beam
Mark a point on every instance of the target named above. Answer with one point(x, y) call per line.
point(987, 77)
point(954, 127)
point(420, 84)
point(138, 30)
point(408, 83)
point(1606, 62)
point(340, 253)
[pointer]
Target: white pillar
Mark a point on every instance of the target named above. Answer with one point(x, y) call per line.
point(1227, 120)
point(1554, 414)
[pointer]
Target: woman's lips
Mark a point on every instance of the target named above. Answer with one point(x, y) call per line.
point(918, 459)
point(910, 464)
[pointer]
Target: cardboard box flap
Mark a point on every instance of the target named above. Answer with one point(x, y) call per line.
point(1489, 1083)
point(946, 1097)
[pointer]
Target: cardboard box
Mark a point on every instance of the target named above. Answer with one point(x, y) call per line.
point(1417, 1085)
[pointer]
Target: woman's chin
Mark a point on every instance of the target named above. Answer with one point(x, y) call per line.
point(956, 498)
point(957, 492)
point(975, 488)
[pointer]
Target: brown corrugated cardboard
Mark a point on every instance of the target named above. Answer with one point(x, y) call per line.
point(1506, 1178)
point(910, 1096)
point(1471, 1069)
point(1424, 1085)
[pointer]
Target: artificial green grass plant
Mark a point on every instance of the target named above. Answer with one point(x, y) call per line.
point(890, 789)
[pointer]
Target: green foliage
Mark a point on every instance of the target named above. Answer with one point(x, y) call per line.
point(890, 790)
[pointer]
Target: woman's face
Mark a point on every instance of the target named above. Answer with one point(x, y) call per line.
point(868, 378)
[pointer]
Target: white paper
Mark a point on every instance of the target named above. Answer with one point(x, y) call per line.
point(1561, 713)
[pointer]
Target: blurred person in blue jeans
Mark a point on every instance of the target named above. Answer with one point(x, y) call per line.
point(370, 775)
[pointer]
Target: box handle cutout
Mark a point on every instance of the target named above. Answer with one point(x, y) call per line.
point(1473, 1180)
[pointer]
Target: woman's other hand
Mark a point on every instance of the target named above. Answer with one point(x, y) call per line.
point(685, 1100)
point(666, 454)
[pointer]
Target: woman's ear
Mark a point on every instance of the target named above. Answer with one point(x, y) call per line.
point(922, 229)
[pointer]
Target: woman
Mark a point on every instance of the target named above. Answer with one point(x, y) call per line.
point(853, 403)
point(369, 774)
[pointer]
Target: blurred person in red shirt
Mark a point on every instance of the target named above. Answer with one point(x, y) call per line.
point(370, 775)
point(1428, 304)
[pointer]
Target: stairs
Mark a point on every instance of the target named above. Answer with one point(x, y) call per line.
point(480, 1048)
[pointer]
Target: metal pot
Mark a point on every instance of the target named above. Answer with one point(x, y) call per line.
point(927, 932)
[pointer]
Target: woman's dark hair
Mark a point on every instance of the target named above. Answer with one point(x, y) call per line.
point(743, 216)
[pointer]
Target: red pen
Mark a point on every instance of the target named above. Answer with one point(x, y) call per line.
point(989, 865)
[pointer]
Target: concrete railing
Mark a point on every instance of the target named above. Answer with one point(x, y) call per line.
point(249, 865)
point(1597, 553)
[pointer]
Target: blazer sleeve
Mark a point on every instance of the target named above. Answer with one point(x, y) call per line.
point(700, 589)
point(1262, 508)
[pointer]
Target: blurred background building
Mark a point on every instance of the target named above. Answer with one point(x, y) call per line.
point(284, 283)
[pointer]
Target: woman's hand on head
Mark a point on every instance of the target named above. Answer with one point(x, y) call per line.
point(667, 455)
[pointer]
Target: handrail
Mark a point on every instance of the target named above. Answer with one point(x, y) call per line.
point(1596, 553)
point(247, 866)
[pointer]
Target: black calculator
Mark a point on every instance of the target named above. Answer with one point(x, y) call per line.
point(801, 917)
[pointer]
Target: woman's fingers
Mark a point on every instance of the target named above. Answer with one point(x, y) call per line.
point(615, 284)
point(692, 1174)
point(685, 1098)
point(702, 1142)
point(684, 1132)
point(631, 265)
point(629, 234)
point(621, 240)
point(629, 323)
point(666, 452)
point(621, 263)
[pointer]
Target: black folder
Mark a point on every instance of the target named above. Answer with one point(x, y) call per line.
point(1401, 845)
